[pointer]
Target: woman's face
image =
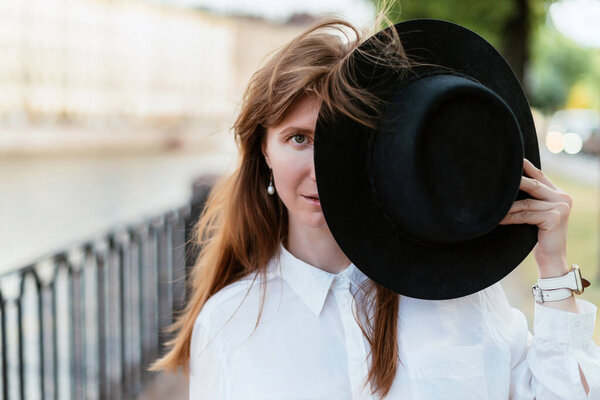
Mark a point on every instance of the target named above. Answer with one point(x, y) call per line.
point(288, 151)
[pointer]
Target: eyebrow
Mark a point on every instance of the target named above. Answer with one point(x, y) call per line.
point(296, 129)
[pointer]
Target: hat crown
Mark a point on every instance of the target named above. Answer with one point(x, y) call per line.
point(444, 158)
point(373, 182)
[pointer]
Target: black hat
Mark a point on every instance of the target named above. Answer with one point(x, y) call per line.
point(415, 202)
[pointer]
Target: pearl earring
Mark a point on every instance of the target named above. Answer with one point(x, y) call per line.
point(271, 188)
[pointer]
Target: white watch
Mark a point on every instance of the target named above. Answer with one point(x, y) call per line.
point(553, 289)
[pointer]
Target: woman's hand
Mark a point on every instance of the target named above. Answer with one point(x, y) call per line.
point(549, 210)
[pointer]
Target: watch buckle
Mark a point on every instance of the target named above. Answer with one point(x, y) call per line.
point(537, 294)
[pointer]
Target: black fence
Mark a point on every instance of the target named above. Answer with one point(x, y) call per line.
point(86, 323)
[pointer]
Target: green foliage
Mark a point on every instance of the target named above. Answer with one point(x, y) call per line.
point(548, 88)
point(587, 87)
point(556, 64)
point(484, 17)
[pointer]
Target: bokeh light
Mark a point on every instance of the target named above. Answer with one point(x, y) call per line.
point(554, 141)
point(572, 143)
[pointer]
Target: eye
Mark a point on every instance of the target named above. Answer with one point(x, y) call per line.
point(303, 138)
point(299, 136)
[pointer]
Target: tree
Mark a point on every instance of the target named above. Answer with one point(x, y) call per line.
point(506, 24)
point(557, 64)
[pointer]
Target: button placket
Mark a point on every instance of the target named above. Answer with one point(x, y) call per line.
point(355, 345)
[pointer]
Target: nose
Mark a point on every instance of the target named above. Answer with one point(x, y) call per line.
point(313, 177)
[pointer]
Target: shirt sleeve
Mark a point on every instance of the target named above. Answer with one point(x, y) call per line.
point(207, 373)
point(545, 365)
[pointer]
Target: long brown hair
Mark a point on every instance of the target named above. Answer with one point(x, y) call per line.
point(241, 226)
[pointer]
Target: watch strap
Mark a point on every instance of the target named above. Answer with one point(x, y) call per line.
point(542, 295)
point(566, 281)
point(571, 280)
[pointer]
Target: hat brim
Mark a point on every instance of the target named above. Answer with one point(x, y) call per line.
point(359, 227)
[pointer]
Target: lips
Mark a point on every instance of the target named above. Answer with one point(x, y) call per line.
point(313, 200)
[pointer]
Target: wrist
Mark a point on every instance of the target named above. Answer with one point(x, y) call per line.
point(552, 269)
point(557, 291)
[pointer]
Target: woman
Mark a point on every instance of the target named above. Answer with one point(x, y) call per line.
point(315, 326)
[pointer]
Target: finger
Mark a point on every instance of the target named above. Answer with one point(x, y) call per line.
point(533, 172)
point(542, 192)
point(546, 220)
point(530, 205)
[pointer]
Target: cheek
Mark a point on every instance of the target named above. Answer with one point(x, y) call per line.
point(289, 170)
point(287, 177)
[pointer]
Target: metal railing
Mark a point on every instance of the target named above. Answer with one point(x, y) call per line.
point(85, 323)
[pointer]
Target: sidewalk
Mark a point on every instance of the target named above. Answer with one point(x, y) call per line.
point(167, 386)
point(582, 168)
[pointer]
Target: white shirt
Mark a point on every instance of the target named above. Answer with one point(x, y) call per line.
point(309, 346)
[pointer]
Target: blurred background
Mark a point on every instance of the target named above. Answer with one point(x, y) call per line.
point(109, 110)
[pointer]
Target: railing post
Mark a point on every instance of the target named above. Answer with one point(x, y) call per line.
point(124, 372)
point(4, 349)
point(200, 190)
point(101, 310)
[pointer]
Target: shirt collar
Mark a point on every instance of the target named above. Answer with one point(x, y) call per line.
point(310, 283)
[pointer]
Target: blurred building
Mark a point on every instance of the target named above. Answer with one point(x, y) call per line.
point(101, 61)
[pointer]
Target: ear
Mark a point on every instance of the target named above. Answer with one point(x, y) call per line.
point(263, 148)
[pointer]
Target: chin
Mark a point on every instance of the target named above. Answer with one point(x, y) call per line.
point(308, 219)
point(316, 222)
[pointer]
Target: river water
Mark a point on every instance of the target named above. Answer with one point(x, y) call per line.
point(48, 203)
